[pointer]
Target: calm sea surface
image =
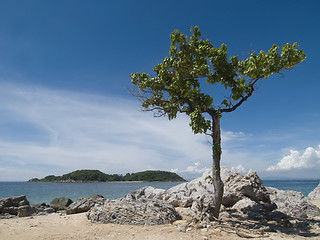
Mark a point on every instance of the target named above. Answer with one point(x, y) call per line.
point(45, 192)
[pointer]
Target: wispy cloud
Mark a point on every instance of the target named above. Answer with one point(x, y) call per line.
point(307, 159)
point(45, 131)
point(68, 131)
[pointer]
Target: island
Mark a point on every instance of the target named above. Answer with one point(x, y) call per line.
point(98, 176)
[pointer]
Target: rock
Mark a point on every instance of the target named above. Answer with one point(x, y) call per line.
point(198, 195)
point(49, 210)
point(315, 194)
point(243, 204)
point(133, 211)
point(200, 189)
point(293, 203)
point(60, 203)
point(85, 204)
point(236, 187)
point(10, 205)
point(147, 192)
point(26, 211)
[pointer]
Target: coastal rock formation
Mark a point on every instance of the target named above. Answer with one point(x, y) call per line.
point(198, 195)
point(10, 205)
point(85, 204)
point(293, 203)
point(134, 211)
point(238, 186)
point(60, 203)
point(315, 194)
point(245, 194)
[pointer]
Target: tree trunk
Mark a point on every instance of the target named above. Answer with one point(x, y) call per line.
point(216, 150)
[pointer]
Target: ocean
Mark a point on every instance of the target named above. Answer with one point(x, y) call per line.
point(45, 192)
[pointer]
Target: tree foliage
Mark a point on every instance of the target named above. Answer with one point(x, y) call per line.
point(176, 87)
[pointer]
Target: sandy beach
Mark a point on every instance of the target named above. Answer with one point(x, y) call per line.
point(78, 227)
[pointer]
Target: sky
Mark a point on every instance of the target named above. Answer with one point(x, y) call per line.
point(65, 73)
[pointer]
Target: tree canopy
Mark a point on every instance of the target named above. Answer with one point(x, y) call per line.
point(176, 85)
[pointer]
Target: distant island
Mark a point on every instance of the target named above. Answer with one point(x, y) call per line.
point(98, 176)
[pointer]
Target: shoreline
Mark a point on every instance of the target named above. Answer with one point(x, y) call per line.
point(105, 181)
point(77, 226)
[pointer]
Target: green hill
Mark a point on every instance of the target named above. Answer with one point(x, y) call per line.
point(98, 176)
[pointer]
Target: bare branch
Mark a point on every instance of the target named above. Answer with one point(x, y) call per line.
point(243, 99)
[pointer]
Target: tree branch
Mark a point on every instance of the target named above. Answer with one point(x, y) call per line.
point(242, 100)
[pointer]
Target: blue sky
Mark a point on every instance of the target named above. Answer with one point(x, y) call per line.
point(65, 72)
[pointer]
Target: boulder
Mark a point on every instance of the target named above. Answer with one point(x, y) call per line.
point(199, 189)
point(237, 187)
point(48, 210)
point(85, 204)
point(60, 203)
point(10, 205)
point(147, 192)
point(315, 194)
point(132, 211)
point(199, 193)
point(293, 203)
point(26, 211)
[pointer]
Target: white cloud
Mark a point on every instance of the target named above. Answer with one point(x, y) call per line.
point(308, 159)
point(57, 131)
point(194, 168)
point(239, 169)
point(45, 131)
point(231, 136)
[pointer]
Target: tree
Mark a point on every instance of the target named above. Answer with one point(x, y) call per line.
point(194, 62)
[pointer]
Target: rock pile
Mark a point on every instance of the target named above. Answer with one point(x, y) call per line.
point(10, 206)
point(19, 206)
point(243, 194)
point(134, 211)
point(293, 203)
point(197, 195)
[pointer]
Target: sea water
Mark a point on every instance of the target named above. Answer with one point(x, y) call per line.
point(44, 192)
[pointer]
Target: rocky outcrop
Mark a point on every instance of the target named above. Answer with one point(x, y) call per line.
point(198, 195)
point(236, 187)
point(134, 211)
point(245, 194)
point(185, 194)
point(60, 203)
point(315, 194)
point(249, 186)
point(293, 203)
point(85, 204)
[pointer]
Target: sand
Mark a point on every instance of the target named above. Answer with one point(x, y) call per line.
point(78, 227)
